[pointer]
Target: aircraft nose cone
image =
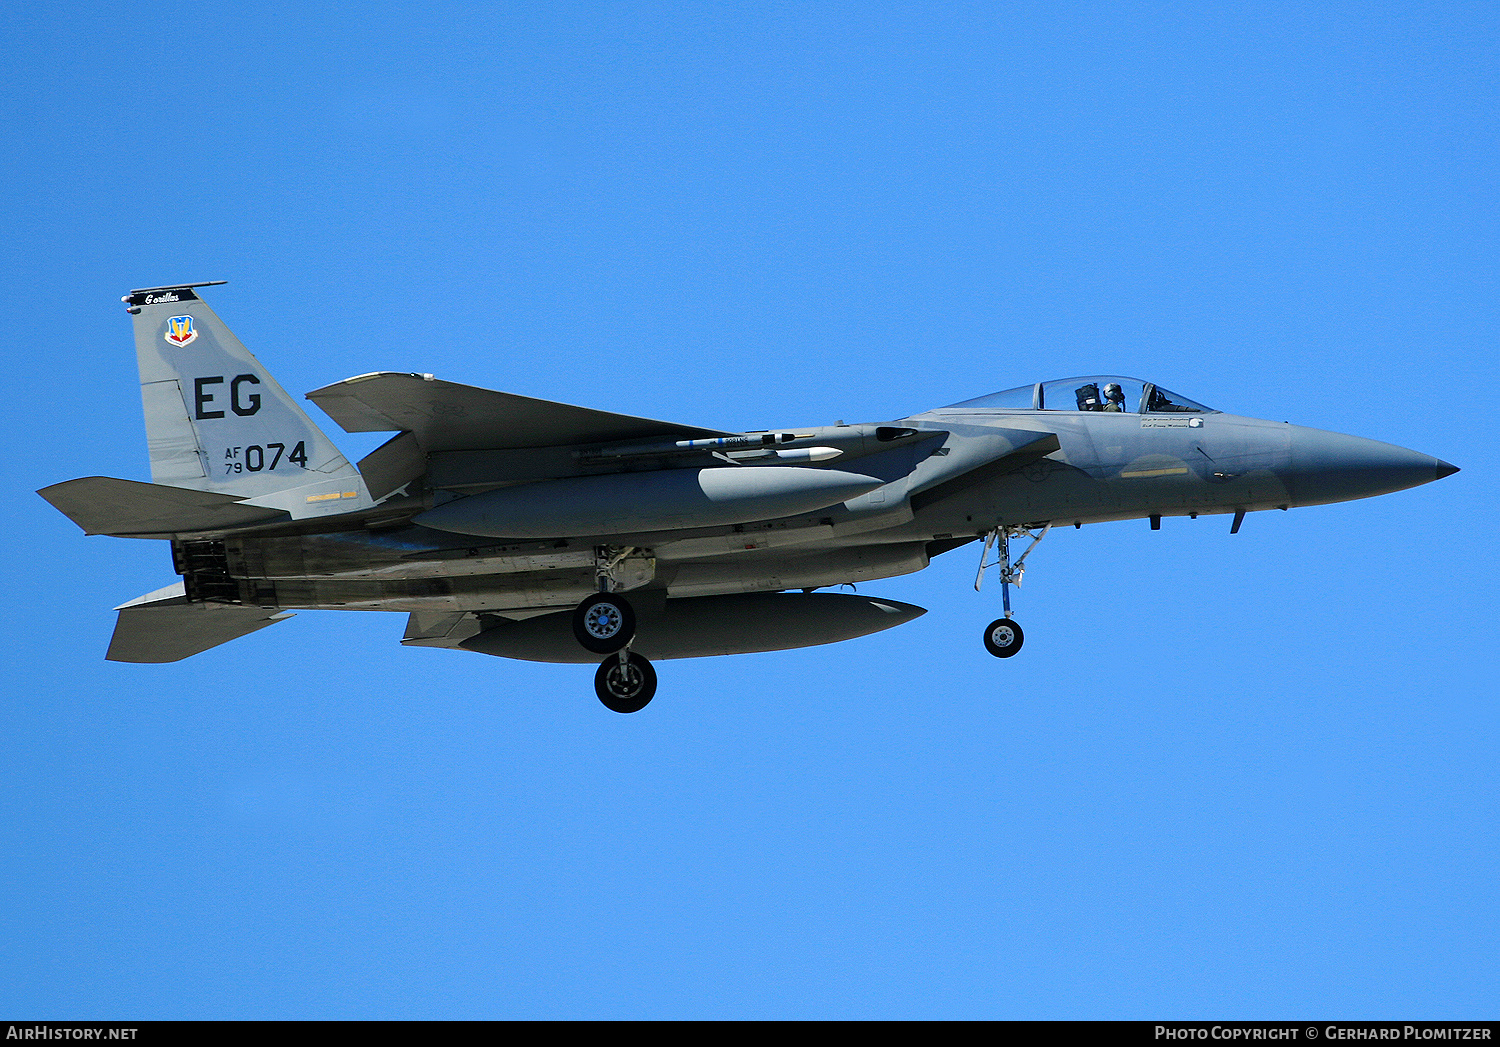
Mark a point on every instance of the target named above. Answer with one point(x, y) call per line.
point(1333, 467)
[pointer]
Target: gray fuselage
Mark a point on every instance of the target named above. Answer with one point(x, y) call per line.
point(950, 476)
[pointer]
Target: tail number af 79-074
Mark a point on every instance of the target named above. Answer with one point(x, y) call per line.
point(253, 460)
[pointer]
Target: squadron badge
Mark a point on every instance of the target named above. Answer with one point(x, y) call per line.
point(180, 330)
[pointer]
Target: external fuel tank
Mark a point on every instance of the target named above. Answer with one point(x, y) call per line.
point(708, 625)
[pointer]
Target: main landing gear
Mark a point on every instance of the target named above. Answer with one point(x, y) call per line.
point(605, 624)
point(625, 682)
point(1003, 637)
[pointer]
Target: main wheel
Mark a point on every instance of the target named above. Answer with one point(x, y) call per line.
point(625, 688)
point(1003, 637)
point(604, 623)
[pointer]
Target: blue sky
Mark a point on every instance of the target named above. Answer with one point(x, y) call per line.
point(1227, 778)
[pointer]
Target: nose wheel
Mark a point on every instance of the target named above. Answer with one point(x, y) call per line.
point(1003, 637)
point(625, 683)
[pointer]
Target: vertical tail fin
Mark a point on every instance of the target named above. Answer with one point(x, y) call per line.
point(217, 421)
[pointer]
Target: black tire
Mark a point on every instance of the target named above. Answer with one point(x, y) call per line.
point(604, 623)
point(625, 688)
point(1003, 637)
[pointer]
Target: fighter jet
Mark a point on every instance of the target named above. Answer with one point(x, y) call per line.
point(518, 527)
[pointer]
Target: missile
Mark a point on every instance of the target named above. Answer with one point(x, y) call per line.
point(716, 443)
point(809, 454)
point(664, 500)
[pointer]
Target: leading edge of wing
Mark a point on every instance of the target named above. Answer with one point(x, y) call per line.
point(446, 416)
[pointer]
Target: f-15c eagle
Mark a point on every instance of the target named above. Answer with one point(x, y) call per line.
point(529, 529)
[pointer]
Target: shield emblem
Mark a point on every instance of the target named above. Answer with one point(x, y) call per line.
point(180, 330)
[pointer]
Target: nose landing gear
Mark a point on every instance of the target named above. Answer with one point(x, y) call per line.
point(1003, 637)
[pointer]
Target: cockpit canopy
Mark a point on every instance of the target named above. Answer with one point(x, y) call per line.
point(1106, 393)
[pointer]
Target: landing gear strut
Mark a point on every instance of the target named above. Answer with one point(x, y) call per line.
point(605, 624)
point(1003, 637)
point(625, 683)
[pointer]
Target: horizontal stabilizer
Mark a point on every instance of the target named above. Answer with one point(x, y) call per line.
point(163, 627)
point(126, 508)
point(446, 416)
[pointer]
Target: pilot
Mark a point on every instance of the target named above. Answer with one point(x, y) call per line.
point(1114, 398)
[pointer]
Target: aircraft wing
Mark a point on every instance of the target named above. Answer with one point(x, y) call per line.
point(163, 627)
point(129, 509)
point(446, 416)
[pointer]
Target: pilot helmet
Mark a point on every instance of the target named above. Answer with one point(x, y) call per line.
point(1113, 392)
